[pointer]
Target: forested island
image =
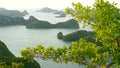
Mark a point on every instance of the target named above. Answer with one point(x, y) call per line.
point(12, 13)
point(8, 60)
point(75, 36)
point(32, 22)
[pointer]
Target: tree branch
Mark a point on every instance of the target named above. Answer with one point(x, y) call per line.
point(110, 64)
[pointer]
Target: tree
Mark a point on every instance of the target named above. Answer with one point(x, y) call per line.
point(104, 19)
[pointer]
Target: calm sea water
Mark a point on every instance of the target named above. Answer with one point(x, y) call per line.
point(18, 38)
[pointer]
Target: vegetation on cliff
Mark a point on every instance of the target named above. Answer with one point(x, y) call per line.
point(8, 60)
point(4, 51)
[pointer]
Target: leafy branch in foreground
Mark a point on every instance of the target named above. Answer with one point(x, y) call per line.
point(104, 19)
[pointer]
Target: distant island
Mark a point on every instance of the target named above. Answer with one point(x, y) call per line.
point(32, 22)
point(12, 13)
point(8, 60)
point(59, 14)
point(47, 10)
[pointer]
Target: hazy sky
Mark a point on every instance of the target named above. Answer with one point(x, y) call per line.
point(57, 4)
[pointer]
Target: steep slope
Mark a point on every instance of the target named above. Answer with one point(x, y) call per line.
point(4, 51)
point(8, 58)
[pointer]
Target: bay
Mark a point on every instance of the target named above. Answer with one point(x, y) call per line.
point(18, 38)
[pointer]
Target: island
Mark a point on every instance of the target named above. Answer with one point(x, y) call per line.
point(75, 36)
point(8, 20)
point(69, 24)
point(47, 10)
point(32, 22)
point(12, 13)
point(8, 60)
point(59, 14)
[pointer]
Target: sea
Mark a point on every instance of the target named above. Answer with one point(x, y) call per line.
point(18, 37)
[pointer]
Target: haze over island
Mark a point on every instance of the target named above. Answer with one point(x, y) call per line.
point(37, 4)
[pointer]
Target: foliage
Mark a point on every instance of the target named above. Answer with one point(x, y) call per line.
point(14, 65)
point(8, 60)
point(104, 18)
point(17, 61)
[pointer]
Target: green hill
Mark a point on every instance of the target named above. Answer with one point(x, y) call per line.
point(32, 22)
point(79, 34)
point(4, 51)
point(68, 24)
point(75, 36)
point(8, 60)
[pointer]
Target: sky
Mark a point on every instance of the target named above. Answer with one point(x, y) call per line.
point(36, 4)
